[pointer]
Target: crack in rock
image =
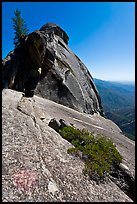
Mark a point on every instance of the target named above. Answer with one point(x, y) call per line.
point(22, 107)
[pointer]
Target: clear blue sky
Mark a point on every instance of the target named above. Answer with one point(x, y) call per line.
point(102, 34)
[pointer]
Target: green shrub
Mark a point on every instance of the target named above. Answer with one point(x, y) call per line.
point(99, 153)
point(74, 151)
point(69, 133)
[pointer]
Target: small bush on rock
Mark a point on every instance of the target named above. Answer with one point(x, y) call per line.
point(99, 153)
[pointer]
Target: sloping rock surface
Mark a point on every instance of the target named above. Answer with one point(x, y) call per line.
point(35, 163)
point(62, 78)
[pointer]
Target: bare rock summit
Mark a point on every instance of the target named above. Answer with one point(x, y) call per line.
point(44, 64)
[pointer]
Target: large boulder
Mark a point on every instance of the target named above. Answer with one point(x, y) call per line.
point(62, 78)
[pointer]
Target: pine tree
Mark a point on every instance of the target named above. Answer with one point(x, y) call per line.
point(19, 26)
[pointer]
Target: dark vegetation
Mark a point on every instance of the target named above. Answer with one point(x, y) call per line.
point(102, 159)
point(118, 102)
point(99, 153)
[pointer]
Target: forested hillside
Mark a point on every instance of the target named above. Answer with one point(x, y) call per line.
point(118, 101)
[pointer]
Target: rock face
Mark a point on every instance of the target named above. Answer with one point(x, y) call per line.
point(62, 78)
point(35, 163)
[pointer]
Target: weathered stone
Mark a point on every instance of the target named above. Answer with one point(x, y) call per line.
point(63, 123)
point(64, 78)
point(51, 29)
point(55, 124)
point(35, 163)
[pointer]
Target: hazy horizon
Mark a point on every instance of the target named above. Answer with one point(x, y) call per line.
point(117, 81)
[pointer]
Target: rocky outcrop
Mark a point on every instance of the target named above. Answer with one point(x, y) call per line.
point(43, 62)
point(56, 125)
point(35, 163)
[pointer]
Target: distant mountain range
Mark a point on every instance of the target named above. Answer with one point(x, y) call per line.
point(118, 100)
